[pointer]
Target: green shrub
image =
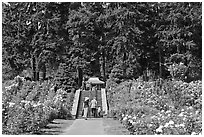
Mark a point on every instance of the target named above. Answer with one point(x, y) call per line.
point(173, 109)
point(32, 105)
point(117, 74)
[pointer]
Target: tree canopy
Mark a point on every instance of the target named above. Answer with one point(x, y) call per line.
point(100, 37)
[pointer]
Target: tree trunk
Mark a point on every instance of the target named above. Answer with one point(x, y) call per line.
point(33, 65)
point(80, 76)
point(36, 69)
point(124, 65)
point(103, 65)
point(43, 72)
point(160, 68)
point(37, 76)
point(178, 49)
point(95, 65)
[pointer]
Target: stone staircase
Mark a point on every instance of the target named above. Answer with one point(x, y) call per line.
point(90, 94)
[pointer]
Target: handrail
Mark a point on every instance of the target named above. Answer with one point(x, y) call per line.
point(104, 101)
point(76, 103)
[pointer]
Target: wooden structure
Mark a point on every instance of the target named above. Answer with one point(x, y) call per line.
point(94, 82)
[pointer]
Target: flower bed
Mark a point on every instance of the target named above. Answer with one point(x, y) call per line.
point(29, 106)
point(145, 108)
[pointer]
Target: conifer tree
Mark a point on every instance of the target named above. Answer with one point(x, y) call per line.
point(66, 77)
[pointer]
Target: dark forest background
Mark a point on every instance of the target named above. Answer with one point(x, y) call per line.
point(117, 41)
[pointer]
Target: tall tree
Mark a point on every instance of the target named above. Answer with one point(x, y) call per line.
point(97, 36)
point(35, 25)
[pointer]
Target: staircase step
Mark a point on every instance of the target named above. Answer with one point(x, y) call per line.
point(89, 94)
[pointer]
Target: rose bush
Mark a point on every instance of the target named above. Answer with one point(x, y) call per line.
point(29, 106)
point(174, 108)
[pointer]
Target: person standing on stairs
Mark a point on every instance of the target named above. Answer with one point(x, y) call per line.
point(93, 107)
point(86, 107)
point(83, 84)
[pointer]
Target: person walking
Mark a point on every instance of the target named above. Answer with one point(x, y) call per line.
point(93, 107)
point(86, 107)
point(99, 111)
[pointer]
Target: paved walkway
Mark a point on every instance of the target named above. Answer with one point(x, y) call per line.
point(85, 127)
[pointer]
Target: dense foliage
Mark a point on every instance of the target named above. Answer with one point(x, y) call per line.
point(116, 41)
point(100, 36)
point(145, 108)
point(29, 106)
point(65, 77)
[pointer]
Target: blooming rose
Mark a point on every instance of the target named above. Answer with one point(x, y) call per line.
point(159, 129)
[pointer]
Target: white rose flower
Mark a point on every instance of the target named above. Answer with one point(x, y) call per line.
point(166, 125)
point(182, 125)
point(171, 122)
point(153, 117)
point(125, 118)
point(35, 105)
point(169, 111)
point(134, 123)
point(150, 125)
point(38, 104)
point(181, 114)
point(131, 121)
point(159, 129)
point(193, 133)
point(129, 116)
point(176, 125)
point(190, 107)
point(8, 88)
point(11, 104)
point(23, 101)
point(134, 117)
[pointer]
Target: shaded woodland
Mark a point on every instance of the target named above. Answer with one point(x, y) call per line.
point(108, 40)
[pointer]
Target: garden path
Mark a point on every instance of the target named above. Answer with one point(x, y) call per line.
point(93, 126)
